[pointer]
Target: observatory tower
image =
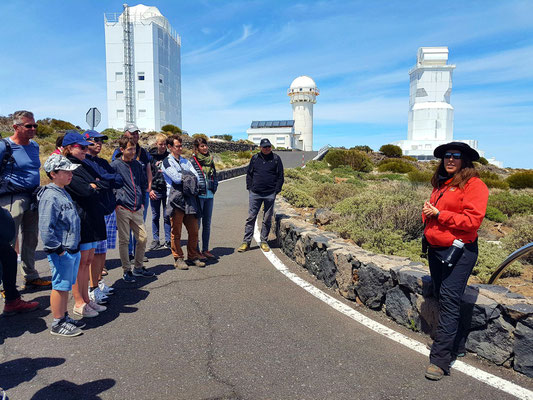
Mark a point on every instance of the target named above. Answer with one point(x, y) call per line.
point(303, 92)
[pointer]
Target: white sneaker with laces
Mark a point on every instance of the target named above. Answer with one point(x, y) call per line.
point(105, 289)
point(97, 296)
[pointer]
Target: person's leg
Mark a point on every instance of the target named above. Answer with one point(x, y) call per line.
point(191, 224)
point(123, 228)
point(207, 213)
point(80, 290)
point(166, 219)
point(451, 291)
point(176, 222)
point(8, 261)
point(137, 226)
point(30, 238)
point(58, 303)
point(267, 217)
point(253, 209)
point(156, 209)
point(96, 268)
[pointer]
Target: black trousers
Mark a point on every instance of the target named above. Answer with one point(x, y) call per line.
point(8, 271)
point(449, 284)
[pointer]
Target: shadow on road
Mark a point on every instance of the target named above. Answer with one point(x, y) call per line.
point(15, 372)
point(32, 322)
point(66, 390)
point(222, 251)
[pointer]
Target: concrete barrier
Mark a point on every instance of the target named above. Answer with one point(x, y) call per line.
point(496, 323)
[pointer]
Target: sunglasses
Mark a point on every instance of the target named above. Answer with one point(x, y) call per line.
point(80, 146)
point(29, 126)
point(456, 156)
point(96, 140)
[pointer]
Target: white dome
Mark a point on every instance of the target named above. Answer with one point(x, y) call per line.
point(303, 82)
point(141, 11)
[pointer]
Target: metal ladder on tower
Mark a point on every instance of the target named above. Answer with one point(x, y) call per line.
point(129, 70)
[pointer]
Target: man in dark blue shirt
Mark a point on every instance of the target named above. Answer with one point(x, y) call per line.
point(264, 180)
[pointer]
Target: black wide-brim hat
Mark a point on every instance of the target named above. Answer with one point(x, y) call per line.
point(465, 149)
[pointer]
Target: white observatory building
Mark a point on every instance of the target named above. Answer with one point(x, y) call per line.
point(430, 121)
point(143, 68)
point(303, 92)
point(298, 132)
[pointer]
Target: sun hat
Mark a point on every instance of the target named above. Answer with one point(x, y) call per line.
point(73, 137)
point(57, 162)
point(465, 149)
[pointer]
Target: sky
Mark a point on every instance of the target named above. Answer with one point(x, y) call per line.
point(240, 57)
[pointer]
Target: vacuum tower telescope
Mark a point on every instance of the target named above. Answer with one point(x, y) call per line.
point(303, 92)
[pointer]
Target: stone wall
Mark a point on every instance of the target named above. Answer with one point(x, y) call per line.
point(498, 324)
point(231, 172)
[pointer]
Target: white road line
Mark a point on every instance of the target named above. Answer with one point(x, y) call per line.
point(489, 379)
point(230, 179)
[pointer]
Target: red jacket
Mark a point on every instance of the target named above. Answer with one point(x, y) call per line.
point(461, 213)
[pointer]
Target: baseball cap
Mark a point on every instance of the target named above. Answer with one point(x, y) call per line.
point(57, 162)
point(90, 134)
point(73, 137)
point(265, 143)
point(131, 128)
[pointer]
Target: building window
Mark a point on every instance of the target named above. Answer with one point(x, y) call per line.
point(119, 76)
point(141, 94)
point(142, 113)
point(161, 96)
point(140, 76)
point(120, 114)
point(280, 140)
point(162, 115)
point(120, 95)
point(160, 78)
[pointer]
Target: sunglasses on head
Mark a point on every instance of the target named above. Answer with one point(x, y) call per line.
point(29, 126)
point(80, 146)
point(456, 156)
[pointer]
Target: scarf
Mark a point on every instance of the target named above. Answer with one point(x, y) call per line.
point(206, 161)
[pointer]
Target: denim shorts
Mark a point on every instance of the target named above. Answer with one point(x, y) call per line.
point(64, 270)
point(88, 246)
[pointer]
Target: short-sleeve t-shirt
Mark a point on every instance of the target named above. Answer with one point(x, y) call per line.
point(23, 173)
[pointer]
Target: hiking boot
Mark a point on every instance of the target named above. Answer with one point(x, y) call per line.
point(207, 254)
point(65, 329)
point(142, 272)
point(244, 247)
point(16, 306)
point(98, 296)
point(264, 246)
point(434, 373)
point(84, 311)
point(37, 283)
point(197, 262)
point(128, 277)
point(180, 264)
point(155, 245)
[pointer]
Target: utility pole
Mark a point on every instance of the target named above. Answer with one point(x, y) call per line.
point(129, 70)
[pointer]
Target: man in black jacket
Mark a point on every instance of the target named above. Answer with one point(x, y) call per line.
point(264, 180)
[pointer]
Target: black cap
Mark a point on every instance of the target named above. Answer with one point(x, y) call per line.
point(265, 143)
point(465, 149)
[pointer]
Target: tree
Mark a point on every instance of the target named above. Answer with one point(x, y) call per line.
point(171, 128)
point(483, 161)
point(391, 150)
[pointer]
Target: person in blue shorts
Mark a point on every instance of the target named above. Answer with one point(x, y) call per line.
point(59, 227)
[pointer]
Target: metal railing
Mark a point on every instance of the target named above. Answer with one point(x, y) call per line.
point(322, 152)
point(522, 251)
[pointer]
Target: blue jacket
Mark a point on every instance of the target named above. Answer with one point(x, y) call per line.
point(132, 194)
point(109, 180)
point(59, 222)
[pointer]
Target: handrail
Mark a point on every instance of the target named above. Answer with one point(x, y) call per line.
point(322, 152)
point(528, 248)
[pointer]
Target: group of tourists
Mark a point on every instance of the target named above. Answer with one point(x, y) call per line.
point(89, 200)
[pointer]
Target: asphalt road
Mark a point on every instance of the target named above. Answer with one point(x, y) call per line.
point(237, 329)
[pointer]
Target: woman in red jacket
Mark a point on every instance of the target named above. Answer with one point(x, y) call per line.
point(452, 217)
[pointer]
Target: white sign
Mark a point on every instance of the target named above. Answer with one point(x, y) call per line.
point(93, 117)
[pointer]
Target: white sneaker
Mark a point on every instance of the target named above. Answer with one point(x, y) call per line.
point(97, 296)
point(96, 307)
point(105, 289)
point(84, 311)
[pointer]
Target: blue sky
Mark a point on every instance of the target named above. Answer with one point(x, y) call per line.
point(239, 58)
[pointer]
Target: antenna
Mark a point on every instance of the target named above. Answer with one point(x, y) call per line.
point(129, 79)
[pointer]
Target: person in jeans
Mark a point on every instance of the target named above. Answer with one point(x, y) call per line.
point(129, 211)
point(59, 226)
point(19, 177)
point(8, 269)
point(158, 194)
point(204, 165)
point(181, 178)
point(453, 214)
point(264, 180)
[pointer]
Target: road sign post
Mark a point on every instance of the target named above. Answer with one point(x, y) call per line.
point(93, 117)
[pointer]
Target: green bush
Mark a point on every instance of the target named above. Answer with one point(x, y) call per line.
point(244, 154)
point(171, 128)
point(330, 193)
point(521, 235)
point(409, 158)
point(316, 165)
point(511, 204)
point(343, 171)
point(200, 135)
point(398, 166)
point(364, 149)
point(417, 176)
point(335, 158)
point(490, 257)
point(496, 183)
point(60, 125)
point(355, 159)
point(297, 197)
point(483, 161)
point(495, 215)
point(521, 180)
point(44, 131)
point(391, 150)
point(224, 137)
point(112, 134)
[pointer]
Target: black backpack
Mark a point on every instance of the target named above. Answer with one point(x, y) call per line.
point(8, 155)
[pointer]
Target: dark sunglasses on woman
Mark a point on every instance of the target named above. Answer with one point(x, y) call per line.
point(456, 156)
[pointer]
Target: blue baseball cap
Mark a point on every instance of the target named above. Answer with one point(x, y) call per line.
point(73, 137)
point(90, 134)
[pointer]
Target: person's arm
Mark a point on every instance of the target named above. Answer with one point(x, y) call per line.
point(48, 213)
point(171, 171)
point(80, 186)
point(249, 174)
point(281, 176)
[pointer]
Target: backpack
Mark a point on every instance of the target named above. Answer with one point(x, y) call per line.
point(8, 155)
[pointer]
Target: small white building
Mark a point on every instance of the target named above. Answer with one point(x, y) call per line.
point(155, 65)
point(280, 133)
